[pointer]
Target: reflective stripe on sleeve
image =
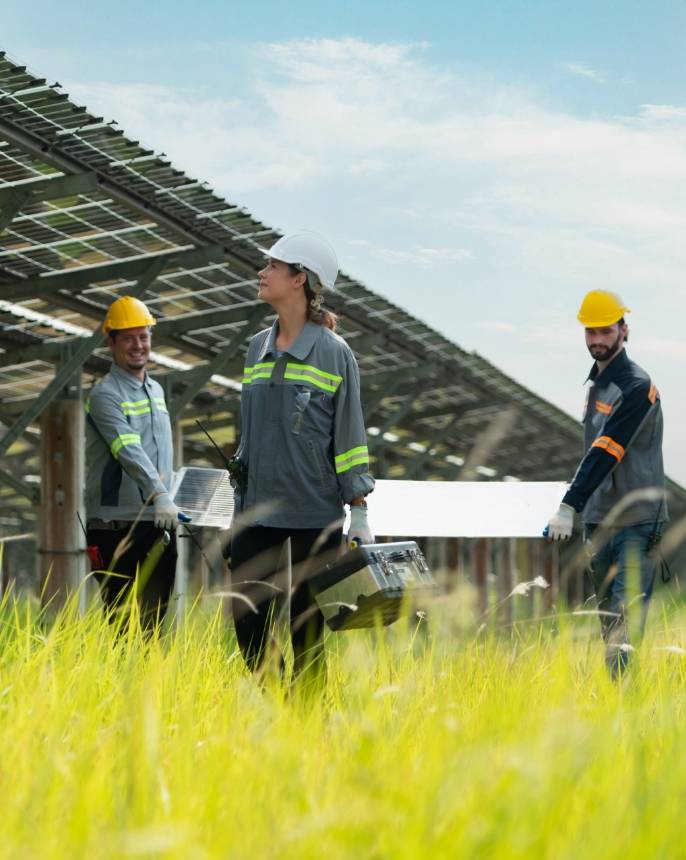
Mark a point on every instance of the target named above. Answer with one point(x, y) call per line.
point(653, 394)
point(354, 457)
point(122, 440)
point(605, 408)
point(605, 443)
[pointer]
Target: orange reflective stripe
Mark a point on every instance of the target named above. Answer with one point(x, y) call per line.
point(653, 394)
point(603, 407)
point(609, 445)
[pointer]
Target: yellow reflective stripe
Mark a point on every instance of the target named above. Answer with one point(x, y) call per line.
point(135, 407)
point(261, 365)
point(264, 374)
point(87, 407)
point(261, 370)
point(313, 375)
point(122, 440)
point(292, 365)
point(307, 377)
point(361, 449)
point(360, 461)
point(142, 407)
point(354, 457)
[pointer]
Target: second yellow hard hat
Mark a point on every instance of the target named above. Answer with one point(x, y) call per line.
point(127, 312)
point(601, 308)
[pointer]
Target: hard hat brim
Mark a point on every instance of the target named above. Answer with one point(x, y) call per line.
point(601, 322)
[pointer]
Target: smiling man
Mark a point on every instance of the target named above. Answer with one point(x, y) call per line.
point(619, 486)
point(131, 518)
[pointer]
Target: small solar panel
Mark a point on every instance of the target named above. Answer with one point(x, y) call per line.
point(204, 494)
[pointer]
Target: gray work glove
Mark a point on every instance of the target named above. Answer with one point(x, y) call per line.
point(561, 525)
point(167, 514)
point(359, 532)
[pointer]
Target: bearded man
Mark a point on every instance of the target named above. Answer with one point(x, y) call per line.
point(619, 486)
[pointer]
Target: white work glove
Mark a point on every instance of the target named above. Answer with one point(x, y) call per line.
point(359, 532)
point(561, 525)
point(167, 513)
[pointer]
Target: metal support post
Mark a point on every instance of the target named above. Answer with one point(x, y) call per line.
point(551, 572)
point(503, 586)
point(534, 570)
point(181, 579)
point(452, 563)
point(62, 557)
point(480, 555)
point(510, 572)
point(522, 608)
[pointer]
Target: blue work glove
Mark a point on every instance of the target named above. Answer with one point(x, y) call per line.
point(359, 532)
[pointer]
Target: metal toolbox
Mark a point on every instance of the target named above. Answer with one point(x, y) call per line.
point(369, 584)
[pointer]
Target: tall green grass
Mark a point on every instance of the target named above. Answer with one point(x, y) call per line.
point(436, 741)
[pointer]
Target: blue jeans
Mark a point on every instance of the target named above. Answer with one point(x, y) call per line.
point(623, 572)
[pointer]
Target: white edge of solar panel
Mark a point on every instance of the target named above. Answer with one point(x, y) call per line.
point(462, 508)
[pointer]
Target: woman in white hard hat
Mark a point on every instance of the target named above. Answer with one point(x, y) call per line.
point(303, 453)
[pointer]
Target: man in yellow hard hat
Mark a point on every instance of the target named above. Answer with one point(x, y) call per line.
point(619, 486)
point(131, 517)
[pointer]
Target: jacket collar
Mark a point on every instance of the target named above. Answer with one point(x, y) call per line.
point(127, 377)
point(613, 369)
point(301, 346)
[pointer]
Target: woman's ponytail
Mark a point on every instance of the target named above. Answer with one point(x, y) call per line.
point(315, 312)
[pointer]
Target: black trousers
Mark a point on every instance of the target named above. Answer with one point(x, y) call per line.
point(259, 575)
point(123, 552)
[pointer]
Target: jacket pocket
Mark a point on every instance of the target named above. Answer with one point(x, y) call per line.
point(302, 399)
point(319, 465)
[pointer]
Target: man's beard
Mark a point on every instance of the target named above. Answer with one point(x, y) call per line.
point(605, 353)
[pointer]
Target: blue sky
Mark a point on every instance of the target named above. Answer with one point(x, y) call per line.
point(482, 165)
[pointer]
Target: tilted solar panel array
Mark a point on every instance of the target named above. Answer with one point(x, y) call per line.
point(87, 214)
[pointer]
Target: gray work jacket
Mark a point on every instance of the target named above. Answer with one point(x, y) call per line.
point(128, 446)
point(621, 479)
point(303, 439)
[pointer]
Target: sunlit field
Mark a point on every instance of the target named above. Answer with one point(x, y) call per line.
point(443, 740)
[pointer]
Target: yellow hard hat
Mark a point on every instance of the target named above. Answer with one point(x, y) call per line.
point(127, 312)
point(601, 308)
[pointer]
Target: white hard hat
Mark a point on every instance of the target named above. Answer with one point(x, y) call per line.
point(309, 250)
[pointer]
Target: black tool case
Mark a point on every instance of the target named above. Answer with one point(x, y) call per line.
point(370, 584)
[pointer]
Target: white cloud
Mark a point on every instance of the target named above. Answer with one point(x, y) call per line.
point(498, 326)
point(422, 257)
point(667, 347)
point(585, 72)
point(667, 113)
point(367, 166)
point(509, 204)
